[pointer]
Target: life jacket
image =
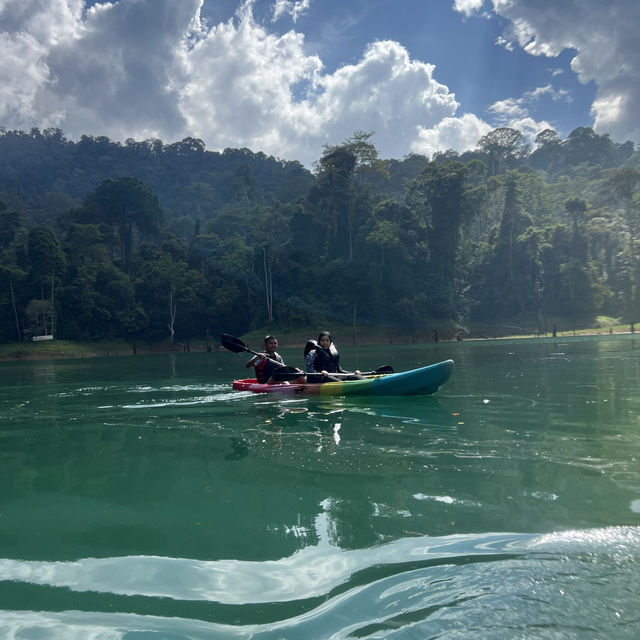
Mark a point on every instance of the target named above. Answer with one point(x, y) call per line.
point(327, 359)
point(264, 368)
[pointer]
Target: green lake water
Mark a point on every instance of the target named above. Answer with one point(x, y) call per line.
point(141, 498)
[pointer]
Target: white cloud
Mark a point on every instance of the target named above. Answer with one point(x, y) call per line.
point(460, 134)
point(386, 92)
point(242, 76)
point(29, 30)
point(513, 108)
point(506, 110)
point(110, 72)
point(239, 88)
point(514, 112)
point(151, 68)
point(46, 21)
point(294, 9)
point(467, 7)
point(605, 38)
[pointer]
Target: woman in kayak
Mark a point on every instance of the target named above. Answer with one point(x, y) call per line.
point(325, 359)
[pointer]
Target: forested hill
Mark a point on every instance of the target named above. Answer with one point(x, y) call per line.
point(141, 239)
point(43, 174)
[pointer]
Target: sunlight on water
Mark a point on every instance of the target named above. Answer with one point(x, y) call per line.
point(524, 584)
point(310, 572)
point(141, 498)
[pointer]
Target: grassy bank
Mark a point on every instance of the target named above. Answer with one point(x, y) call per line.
point(58, 349)
point(344, 335)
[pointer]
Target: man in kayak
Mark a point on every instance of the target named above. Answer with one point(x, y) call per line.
point(266, 363)
point(325, 359)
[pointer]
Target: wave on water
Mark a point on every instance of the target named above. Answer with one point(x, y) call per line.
point(206, 394)
point(459, 586)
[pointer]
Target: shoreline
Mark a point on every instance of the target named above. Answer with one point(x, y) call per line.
point(65, 350)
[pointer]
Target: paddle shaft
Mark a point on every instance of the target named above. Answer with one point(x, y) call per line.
point(237, 346)
point(317, 375)
point(264, 356)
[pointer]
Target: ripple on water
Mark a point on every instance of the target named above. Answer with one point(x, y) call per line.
point(469, 585)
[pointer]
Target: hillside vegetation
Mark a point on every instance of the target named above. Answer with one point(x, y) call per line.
point(145, 241)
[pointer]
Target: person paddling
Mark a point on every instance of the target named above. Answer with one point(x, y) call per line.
point(266, 363)
point(325, 359)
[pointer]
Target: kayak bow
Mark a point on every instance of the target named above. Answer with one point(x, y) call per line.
point(422, 381)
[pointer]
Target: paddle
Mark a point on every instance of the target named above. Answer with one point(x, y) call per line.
point(285, 374)
point(237, 346)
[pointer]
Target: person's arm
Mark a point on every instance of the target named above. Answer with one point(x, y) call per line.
point(254, 361)
point(338, 367)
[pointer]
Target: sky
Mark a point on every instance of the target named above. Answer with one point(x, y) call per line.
point(286, 77)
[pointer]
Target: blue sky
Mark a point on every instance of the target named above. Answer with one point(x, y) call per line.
point(287, 76)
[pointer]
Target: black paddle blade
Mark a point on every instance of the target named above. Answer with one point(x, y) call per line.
point(232, 343)
point(385, 368)
point(286, 374)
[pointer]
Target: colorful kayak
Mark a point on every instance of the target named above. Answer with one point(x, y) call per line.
point(422, 381)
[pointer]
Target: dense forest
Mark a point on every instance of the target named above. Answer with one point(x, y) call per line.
point(100, 239)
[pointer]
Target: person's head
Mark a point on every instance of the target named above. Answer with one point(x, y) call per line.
point(324, 339)
point(270, 344)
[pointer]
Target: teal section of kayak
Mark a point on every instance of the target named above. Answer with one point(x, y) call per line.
point(423, 381)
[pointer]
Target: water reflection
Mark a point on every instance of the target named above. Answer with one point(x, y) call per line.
point(467, 585)
point(143, 499)
point(239, 449)
point(310, 572)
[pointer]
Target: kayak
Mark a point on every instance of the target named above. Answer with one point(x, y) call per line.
point(422, 381)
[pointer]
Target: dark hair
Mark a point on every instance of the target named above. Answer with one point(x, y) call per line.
point(267, 338)
point(324, 333)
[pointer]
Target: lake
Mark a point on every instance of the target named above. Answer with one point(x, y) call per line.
point(141, 498)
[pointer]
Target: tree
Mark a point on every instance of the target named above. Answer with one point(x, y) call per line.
point(47, 260)
point(502, 147)
point(396, 239)
point(548, 154)
point(9, 225)
point(340, 197)
point(441, 199)
point(384, 236)
point(170, 292)
point(584, 145)
point(47, 268)
point(10, 325)
point(124, 204)
point(331, 200)
point(576, 208)
point(624, 186)
point(507, 280)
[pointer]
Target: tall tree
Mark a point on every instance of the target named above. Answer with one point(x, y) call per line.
point(507, 282)
point(340, 196)
point(124, 204)
point(624, 185)
point(441, 199)
point(502, 147)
